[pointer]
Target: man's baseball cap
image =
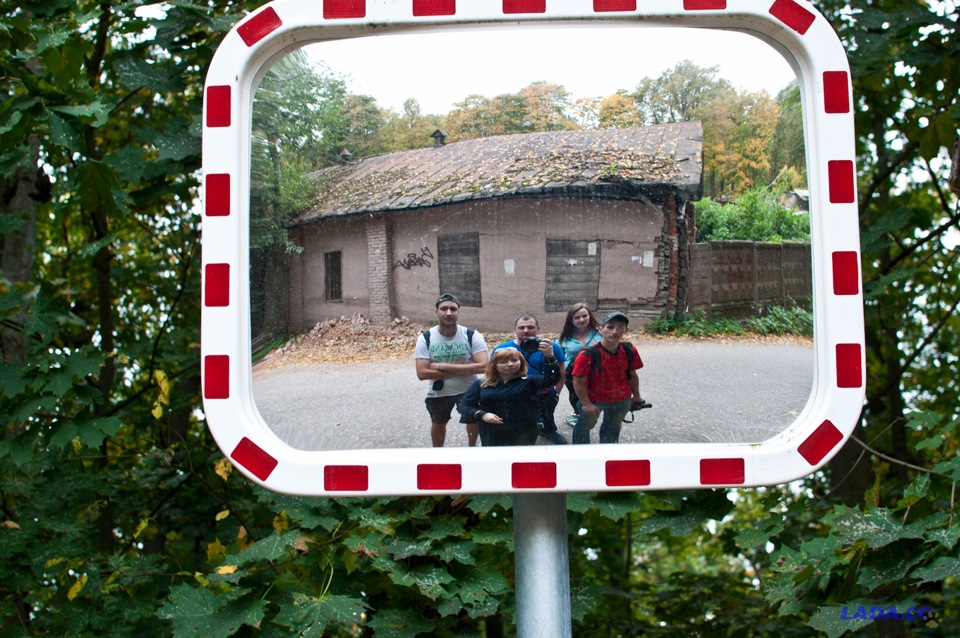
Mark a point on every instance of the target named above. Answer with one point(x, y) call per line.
point(615, 316)
point(446, 297)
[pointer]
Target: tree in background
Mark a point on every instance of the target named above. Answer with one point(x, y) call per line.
point(541, 106)
point(738, 130)
point(365, 123)
point(300, 124)
point(409, 129)
point(104, 461)
point(757, 215)
point(619, 111)
point(787, 152)
point(478, 116)
point(738, 126)
point(547, 107)
point(679, 94)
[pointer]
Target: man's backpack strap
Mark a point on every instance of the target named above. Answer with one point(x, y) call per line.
point(470, 331)
point(594, 352)
point(628, 348)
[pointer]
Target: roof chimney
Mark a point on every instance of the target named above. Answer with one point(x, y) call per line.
point(438, 138)
point(345, 156)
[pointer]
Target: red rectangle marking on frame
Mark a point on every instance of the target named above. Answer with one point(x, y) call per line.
point(722, 471)
point(849, 366)
point(259, 26)
point(531, 475)
point(439, 476)
point(216, 376)
point(819, 444)
point(434, 8)
point(346, 478)
point(524, 6)
point(846, 273)
point(704, 5)
point(603, 6)
point(793, 15)
point(218, 105)
point(251, 456)
point(836, 92)
point(343, 9)
point(216, 285)
point(627, 473)
point(840, 181)
point(216, 195)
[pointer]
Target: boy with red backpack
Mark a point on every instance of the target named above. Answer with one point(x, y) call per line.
point(605, 380)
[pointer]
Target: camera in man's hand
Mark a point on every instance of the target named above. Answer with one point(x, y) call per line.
point(530, 346)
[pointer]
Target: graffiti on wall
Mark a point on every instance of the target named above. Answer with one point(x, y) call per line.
point(414, 260)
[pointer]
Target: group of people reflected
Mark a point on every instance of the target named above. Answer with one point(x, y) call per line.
point(508, 396)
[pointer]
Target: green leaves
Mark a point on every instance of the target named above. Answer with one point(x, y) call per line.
point(836, 621)
point(99, 188)
point(134, 71)
point(198, 612)
point(313, 615)
point(880, 557)
point(355, 563)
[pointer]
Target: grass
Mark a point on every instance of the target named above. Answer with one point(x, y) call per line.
point(774, 320)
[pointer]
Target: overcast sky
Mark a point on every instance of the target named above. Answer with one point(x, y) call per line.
point(441, 69)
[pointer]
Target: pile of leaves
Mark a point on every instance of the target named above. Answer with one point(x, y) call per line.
point(348, 339)
point(354, 339)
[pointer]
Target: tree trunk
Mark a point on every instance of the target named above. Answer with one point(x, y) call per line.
point(19, 196)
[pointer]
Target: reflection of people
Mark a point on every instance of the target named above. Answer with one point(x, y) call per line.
point(526, 327)
point(605, 380)
point(449, 356)
point(505, 401)
point(579, 331)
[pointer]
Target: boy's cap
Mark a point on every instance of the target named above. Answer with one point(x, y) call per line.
point(446, 297)
point(615, 316)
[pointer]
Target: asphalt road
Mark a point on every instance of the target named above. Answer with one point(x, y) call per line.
point(700, 391)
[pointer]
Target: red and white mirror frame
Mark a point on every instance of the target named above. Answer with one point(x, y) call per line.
point(792, 27)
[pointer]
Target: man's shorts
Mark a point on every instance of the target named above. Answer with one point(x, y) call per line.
point(440, 408)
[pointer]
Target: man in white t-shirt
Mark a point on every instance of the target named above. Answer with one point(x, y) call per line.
point(450, 357)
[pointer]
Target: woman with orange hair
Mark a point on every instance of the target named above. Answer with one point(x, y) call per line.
point(504, 402)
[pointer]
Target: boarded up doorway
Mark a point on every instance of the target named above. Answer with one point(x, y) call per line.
point(458, 262)
point(573, 273)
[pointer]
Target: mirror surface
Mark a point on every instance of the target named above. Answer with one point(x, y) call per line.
point(538, 209)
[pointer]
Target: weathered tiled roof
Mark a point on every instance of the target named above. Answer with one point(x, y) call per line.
point(603, 163)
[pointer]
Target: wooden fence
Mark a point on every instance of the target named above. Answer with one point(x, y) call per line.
point(733, 278)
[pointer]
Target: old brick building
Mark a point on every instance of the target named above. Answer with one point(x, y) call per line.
point(531, 222)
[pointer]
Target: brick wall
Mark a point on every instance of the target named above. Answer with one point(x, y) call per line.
point(379, 268)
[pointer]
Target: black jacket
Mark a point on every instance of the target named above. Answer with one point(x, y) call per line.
point(514, 401)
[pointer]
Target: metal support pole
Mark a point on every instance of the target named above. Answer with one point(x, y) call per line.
point(542, 565)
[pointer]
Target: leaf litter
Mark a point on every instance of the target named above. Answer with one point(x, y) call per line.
point(354, 339)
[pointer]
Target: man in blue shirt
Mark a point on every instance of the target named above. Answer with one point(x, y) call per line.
point(526, 327)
